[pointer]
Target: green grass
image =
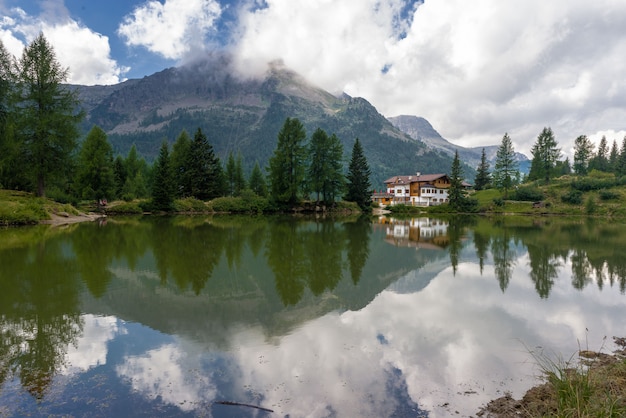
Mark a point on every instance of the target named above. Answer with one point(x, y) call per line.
point(20, 208)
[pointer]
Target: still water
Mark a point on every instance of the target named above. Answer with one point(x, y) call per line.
point(243, 316)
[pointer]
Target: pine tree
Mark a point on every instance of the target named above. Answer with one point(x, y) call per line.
point(162, 186)
point(506, 166)
point(287, 165)
point(359, 186)
point(205, 177)
point(240, 179)
point(455, 193)
point(48, 122)
point(483, 178)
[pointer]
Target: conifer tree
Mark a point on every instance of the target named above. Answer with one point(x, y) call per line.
point(545, 155)
point(287, 165)
point(506, 167)
point(162, 185)
point(583, 152)
point(178, 159)
point(621, 161)
point(48, 118)
point(359, 186)
point(601, 160)
point(455, 193)
point(325, 175)
point(483, 178)
point(613, 157)
point(257, 181)
point(205, 177)
point(95, 178)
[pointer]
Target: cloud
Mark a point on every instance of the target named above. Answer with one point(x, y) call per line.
point(473, 69)
point(85, 52)
point(171, 29)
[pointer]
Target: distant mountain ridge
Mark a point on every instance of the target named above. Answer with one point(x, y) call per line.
point(245, 115)
point(420, 129)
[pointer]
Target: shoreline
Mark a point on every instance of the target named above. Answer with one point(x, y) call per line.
point(62, 218)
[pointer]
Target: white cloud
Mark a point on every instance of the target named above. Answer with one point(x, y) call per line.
point(86, 53)
point(171, 29)
point(473, 69)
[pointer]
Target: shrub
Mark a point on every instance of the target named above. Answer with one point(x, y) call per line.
point(587, 184)
point(608, 195)
point(125, 208)
point(498, 202)
point(574, 197)
point(190, 204)
point(250, 204)
point(528, 194)
point(590, 205)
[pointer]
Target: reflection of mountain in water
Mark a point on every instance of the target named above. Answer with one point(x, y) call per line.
point(242, 286)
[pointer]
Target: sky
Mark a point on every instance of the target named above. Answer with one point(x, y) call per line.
point(475, 69)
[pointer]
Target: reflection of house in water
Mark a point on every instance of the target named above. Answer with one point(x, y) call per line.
point(416, 232)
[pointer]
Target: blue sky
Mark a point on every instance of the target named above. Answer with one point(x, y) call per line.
point(474, 69)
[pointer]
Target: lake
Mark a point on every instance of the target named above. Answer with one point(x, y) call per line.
point(230, 316)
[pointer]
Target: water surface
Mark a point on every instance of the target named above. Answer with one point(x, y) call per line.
point(306, 318)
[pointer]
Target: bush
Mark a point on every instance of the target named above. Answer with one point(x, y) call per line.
point(590, 205)
point(498, 202)
point(528, 194)
point(250, 204)
point(402, 208)
point(574, 197)
point(126, 208)
point(190, 204)
point(608, 195)
point(587, 184)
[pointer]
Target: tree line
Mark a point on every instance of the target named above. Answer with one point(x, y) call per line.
point(40, 152)
point(547, 163)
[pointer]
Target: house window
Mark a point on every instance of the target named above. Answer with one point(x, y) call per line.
point(399, 191)
point(440, 191)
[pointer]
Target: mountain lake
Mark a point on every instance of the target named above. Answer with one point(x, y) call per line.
point(231, 316)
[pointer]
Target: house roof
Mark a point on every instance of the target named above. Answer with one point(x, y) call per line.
point(414, 178)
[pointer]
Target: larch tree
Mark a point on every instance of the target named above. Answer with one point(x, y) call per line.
point(621, 160)
point(483, 177)
point(95, 174)
point(506, 167)
point(287, 166)
point(583, 152)
point(600, 161)
point(11, 173)
point(359, 185)
point(613, 157)
point(325, 177)
point(48, 122)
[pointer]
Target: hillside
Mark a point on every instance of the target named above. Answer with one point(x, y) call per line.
point(245, 115)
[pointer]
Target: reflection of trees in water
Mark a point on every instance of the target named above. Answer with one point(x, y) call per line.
point(504, 259)
point(286, 256)
point(544, 268)
point(358, 238)
point(481, 243)
point(311, 254)
point(39, 315)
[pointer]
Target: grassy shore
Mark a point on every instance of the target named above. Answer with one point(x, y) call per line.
point(590, 384)
point(21, 208)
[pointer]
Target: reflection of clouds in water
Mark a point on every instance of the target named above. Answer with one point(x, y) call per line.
point(168, 373)
point(91, 348)
point(460, 341)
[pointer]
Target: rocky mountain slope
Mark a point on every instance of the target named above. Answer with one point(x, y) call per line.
point(420, 129)
point(245, 115)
